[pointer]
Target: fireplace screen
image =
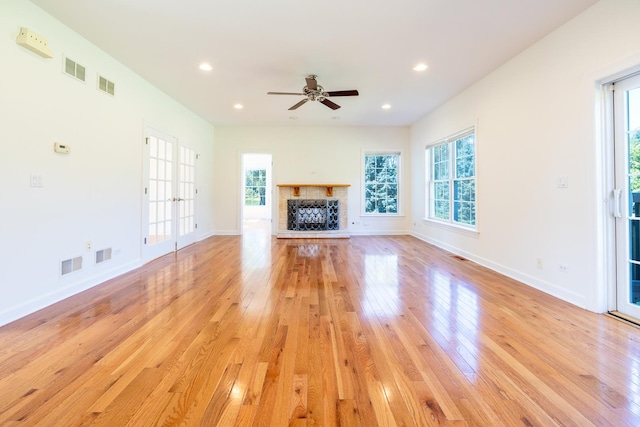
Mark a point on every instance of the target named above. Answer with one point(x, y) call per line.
point(312, 214)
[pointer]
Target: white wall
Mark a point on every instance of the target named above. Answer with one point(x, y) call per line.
point(92, 194)
point(308, 155)
point(537, 120)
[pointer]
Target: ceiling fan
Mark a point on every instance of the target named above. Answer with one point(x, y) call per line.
point(314, 92)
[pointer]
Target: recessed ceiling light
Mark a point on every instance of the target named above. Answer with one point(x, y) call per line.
point(238, 106)
point(386, 106)
point(420, 67)
point(205, 67)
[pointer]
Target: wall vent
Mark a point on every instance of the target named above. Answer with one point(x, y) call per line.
point(68, 266)
point(73, 69)
point(106, 86)
point(103, 255)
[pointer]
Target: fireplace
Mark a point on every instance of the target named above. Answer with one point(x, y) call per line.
point(312, 211)
point(313, 214)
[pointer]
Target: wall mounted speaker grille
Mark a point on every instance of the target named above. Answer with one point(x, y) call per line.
point(70, 265)
point(103, 255)
point(73, 69)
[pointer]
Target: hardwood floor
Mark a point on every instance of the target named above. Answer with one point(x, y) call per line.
point(239, 331)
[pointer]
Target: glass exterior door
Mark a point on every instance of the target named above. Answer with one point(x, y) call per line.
point(626, 206)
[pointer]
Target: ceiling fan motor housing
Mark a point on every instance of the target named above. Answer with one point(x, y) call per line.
point(319, 94)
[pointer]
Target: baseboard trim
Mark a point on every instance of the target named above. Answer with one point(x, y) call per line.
point(36, 304)
point(541, 285)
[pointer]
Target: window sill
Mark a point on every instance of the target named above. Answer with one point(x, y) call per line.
point(452, 227)
point(365, 215)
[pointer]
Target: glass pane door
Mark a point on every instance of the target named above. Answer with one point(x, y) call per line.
point(169, 218)
point(186, 196)
point(159, 186)
point(627, 194)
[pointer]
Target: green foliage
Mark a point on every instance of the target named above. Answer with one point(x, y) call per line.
point(381, 183)
point(634, 161)
point(255, 187)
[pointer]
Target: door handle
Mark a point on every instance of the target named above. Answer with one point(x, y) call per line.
point(617, 198)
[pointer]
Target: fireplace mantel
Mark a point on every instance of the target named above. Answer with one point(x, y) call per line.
point(329, 187)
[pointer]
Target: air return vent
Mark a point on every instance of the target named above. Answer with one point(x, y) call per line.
point(68, 266)
point(74, 69)
point(106, 86)
point(103, 255)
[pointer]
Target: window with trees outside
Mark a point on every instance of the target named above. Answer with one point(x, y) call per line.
point(255, 188)
point(452, 179)
point(381, 171)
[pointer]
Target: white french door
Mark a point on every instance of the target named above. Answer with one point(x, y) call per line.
point(169, 195)
point(626, 195)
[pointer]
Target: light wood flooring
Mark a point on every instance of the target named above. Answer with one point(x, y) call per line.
point(368, 331)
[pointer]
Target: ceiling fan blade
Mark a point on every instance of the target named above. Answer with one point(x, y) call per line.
point(343, 93)
point(330, 104)
point(299, 104)
point(284, 93)
point(312, 84)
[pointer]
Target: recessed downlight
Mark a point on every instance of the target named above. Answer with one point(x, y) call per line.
point(205, 67)
point(386, 106)
point(420, 67)
point(238, 106)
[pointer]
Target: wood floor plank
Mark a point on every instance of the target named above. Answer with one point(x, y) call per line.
point(369, 331)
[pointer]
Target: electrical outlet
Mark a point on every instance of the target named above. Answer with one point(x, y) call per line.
point(88, 247)
point(563, 268)
point(539, 263)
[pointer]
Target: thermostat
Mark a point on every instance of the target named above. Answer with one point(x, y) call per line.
point(61, 148)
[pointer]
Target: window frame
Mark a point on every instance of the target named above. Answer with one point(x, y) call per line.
point(451, 180)
point(399, 198)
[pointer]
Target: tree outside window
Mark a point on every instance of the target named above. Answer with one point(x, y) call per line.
point(381, 183)
point(255, 187)
point(452, 179)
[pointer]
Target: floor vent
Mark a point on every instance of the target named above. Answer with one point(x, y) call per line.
point(68, 266)
point(103, 255)
point(106, 86)
point(73, 69)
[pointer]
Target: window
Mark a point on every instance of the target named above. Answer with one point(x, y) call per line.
point(381, 173)
point(255, 187)
point(452, 179)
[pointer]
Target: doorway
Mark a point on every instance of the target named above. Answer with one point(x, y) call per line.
point(256, 200)
point(169, 195)
point(626, 194)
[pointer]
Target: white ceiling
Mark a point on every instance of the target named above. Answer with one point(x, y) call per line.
point(256, 46)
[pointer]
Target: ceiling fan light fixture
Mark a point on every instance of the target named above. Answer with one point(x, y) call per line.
point(312, 91)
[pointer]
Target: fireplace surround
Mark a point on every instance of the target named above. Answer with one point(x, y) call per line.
point(312, 211)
